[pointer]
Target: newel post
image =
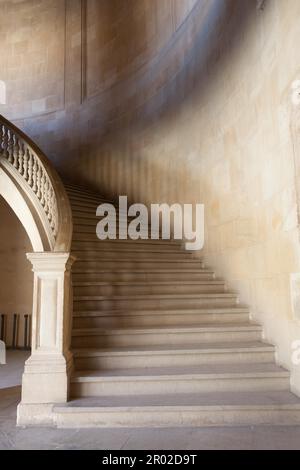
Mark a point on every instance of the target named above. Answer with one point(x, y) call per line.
point(47, 371)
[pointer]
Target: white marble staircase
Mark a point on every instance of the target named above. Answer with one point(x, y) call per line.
point(158, 340)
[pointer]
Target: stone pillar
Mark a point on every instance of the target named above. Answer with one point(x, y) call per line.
point(47, 372)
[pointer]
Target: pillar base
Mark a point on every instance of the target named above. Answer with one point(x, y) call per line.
point(35, 415)
point(46, 379)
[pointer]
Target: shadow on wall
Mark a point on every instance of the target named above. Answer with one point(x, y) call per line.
point(104, 141)
point(118, 157)
point(153, 65)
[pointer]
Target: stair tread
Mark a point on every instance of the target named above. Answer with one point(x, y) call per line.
point(89, 201)
point(206, 370)
point(247, 400)
point(81, 199)
point(124, 312)
point(219, 347)
point(77, 187)
point(87, 194)
point(155, 296)
point(143, 271)
point(178, 252)
point(150, 241)
point(141, 260)
point(148, 283)
point(168, 329)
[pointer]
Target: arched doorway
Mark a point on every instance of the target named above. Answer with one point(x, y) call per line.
point(16, 280)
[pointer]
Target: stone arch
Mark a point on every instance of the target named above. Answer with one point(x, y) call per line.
point(21, 207)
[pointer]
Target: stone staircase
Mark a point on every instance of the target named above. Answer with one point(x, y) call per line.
point(158, 340)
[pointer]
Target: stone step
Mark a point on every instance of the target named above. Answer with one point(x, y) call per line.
point(176, 356)
point(135, 255)
point(158, 301)
point(92, 237)
point(180, 410)
point(78, 190)
point(150, 336)
point(91, 219)
point(127, 318)
point(88, 205)
point(162, 287)
point(88, 198)
point(144, 234)
point(124, 245)
point(88, 219)
point(175, 380)
point(142, 275)
point(85, 263)
point(85, 216)
point(89, 225)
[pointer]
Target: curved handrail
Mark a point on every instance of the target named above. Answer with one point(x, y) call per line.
point(28, 164)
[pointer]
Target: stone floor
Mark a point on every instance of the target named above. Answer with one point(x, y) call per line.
point(12, 437)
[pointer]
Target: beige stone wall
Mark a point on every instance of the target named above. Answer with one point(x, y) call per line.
point(105, 59)
point(122, 37)
point(16, 278)
point(32, 37)
point(201, 110)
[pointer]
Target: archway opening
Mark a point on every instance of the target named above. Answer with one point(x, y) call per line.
point(16, 287)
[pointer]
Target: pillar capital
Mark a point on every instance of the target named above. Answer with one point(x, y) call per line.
point(51, 261)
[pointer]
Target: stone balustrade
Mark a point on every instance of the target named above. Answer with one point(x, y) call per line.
point(30, 168)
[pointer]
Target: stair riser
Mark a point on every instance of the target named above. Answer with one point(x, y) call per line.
point(85, 212)
point(134, 256)
point(85, 193)
point(74, 191)
point(85, 207)
point(162, 417)
point(137, 304)
point(147, 290)
point(176, 386)
point(74, 187)
point(154, 339)
point(119, 263)
point(88, 212)
point(83, 198)
point(86, 200)
point(89, 225)
point(127, 245)
point(171, 360)
point(112, 235)
point(80, 219)
point(88, 207)
point(92, 237)
point(118, 276)
point(125, 321)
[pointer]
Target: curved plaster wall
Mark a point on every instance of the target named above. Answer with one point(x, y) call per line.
point(199, 110)
point(50, 46)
